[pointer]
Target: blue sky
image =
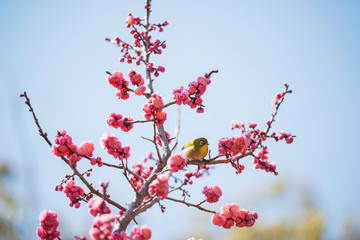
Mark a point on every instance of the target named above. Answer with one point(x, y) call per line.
point(55, 50)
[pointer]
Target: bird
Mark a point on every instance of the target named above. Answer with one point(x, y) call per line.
point(196, 149)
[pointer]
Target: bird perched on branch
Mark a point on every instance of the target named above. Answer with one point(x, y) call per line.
point(196, 149)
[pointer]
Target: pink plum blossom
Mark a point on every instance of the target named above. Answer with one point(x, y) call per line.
point(176, 162)
point(98, 206)
point(212, 193)
point(48, 225)
point(86, 148)
point(74, 193)
point(160, 187)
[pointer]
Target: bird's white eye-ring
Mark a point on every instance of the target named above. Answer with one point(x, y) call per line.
point(201, 143)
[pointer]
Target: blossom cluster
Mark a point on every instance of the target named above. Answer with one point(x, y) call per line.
point(116, 120)
point(137, 81)
point(153, 108)
point(102, 228)
point(212, 193)
point(113, 146)
point(176, 162)
point(160, 186)
point(63, 146)
point(48, 225)
point(254, 137)
point(98, 206)
point(140, 233)
point(231, 215)
point(249, 141)
point(192, 95)
point(131, 21)
point(117, 80)
point(261, 161)
point(233, 146)
point(74, 193)
point(142, 171)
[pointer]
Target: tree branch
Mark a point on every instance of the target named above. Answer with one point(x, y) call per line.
point(76, 172)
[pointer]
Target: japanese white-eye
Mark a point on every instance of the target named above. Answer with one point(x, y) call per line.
point(196, 149)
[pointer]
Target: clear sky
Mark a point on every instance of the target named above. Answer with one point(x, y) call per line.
point(55, 50)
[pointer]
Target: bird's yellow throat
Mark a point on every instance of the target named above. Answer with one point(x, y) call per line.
point(203, 149)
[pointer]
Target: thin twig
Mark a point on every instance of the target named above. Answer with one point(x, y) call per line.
point(190, 205)
point(169, 104)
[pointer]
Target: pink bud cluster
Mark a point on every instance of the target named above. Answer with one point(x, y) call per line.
point(236, 124)
point(117, 120)
point(231, 215)
point(48, 225)
point(138, 40)
point(113, 146)
point(160, 186)
point(155, 70)
point(235, 164)
point(197, 173)
point(187, 176)
point(261, 161)
point(284, 136)
point(192, 95)
point(140, 233)
point(137, 81)
point(97, 161)
point(280, 96)
point(158, 138)
point(176, 162)
point(156, 46)
point(233, 146)
point(74, 193)
point(153, 108)
point(159, 26)
point(125, 48)
point(102, 228)
point(212, 193)
point(117, 80)
point(98, 206)
point(142, 171)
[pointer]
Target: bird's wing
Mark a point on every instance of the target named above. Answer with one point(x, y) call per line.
point(189, 144)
